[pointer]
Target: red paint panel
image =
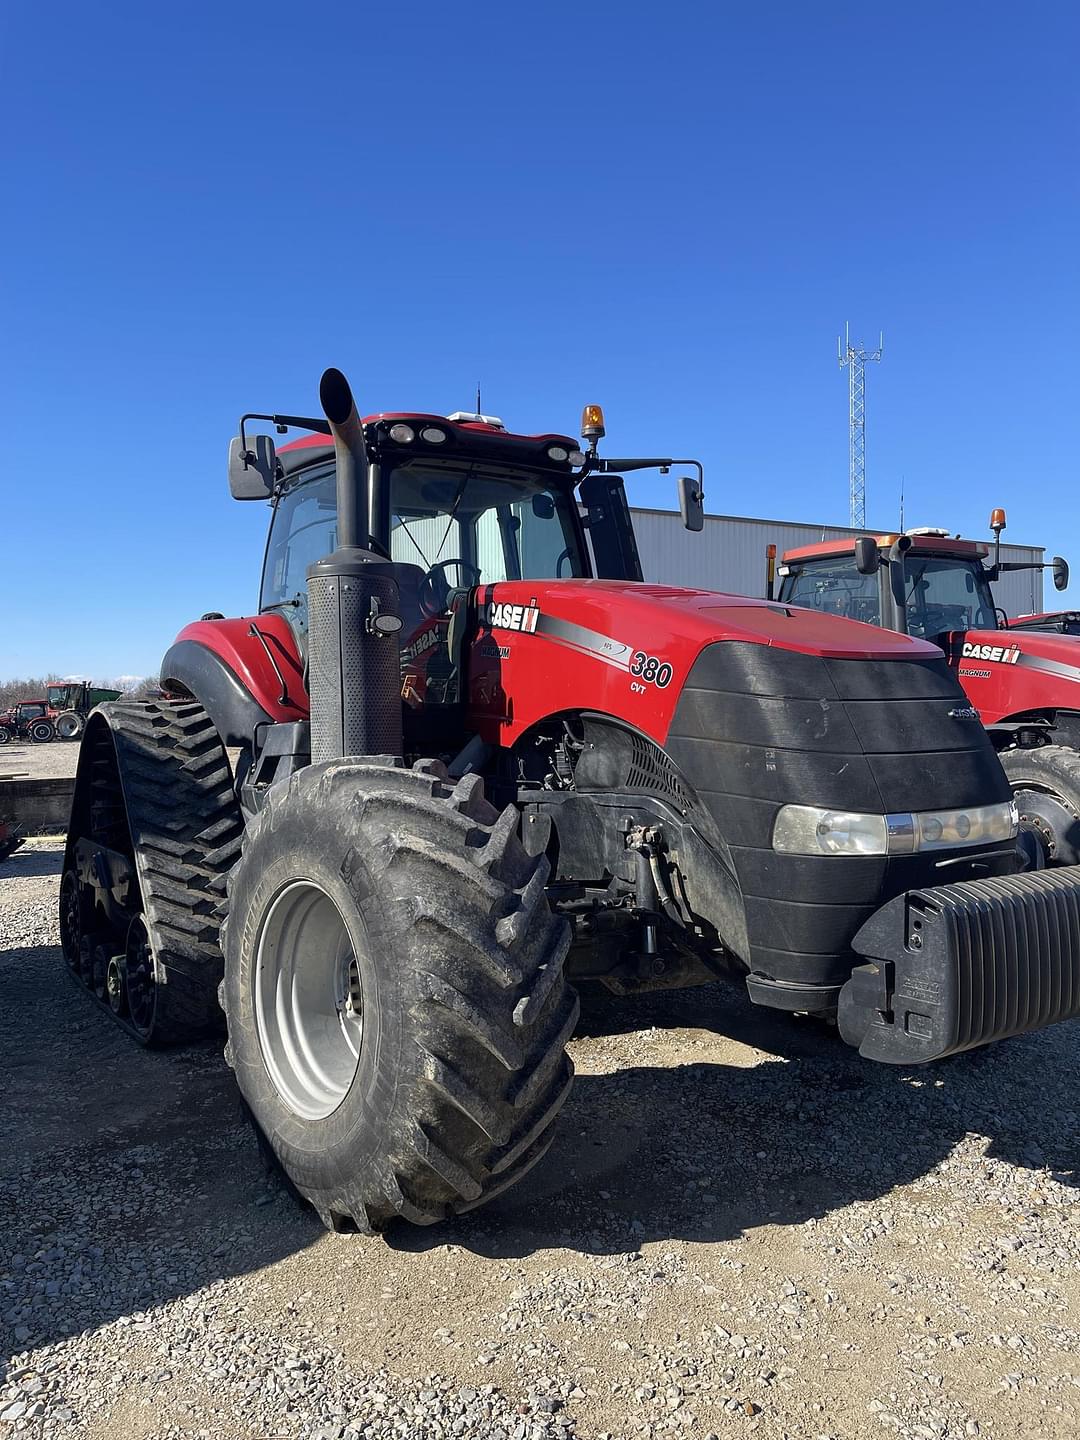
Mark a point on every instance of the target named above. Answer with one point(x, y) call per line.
point(626, 649)
point(1032, 671)
point(245, 655)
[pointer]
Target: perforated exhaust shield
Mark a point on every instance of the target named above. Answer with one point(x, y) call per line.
point(952, 967)
point(355, 672)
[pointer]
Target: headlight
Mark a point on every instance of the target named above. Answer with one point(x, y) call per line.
point(811, 830)
point(807, 830)
point(433, 435)
point(558, 453)
point(403, 434)
point(986, 825)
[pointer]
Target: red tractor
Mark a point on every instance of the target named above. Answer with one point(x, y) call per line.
point(1056, 622)
point(481, 763)
point(27, 720)
point(1023, 680)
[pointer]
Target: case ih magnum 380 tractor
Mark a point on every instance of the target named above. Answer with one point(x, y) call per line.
point(479, 761)
point(1022, 678)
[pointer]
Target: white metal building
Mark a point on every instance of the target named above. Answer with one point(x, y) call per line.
point(729, 554)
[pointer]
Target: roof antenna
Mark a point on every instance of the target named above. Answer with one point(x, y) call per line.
point(478, 411)
point(901, 504)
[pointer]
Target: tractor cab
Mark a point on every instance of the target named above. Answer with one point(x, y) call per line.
point(945, 584)
point(925, 582)
point(450, 506)
point(66, 696)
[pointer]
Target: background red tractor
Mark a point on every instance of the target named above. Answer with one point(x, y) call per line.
point(1023, 679)
point(1055, 622)
point(27, 720)
point(481, 763)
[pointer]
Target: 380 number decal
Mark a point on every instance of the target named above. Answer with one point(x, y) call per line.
point(650, 669)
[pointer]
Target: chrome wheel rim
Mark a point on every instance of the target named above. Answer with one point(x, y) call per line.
point(309, 1000)
point(1050, 818)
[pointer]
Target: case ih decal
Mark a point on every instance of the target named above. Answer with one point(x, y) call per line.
point(1002, 654)
point(422, 644)
point(510, 617)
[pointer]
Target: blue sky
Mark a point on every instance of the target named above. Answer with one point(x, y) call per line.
point(668, 209)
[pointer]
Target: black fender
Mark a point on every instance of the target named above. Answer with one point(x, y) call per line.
point(193, 669)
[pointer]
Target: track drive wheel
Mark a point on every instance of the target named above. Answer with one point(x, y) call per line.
point(1045, 782)
point(72, 920)
point(394, 990)
point(70, 725)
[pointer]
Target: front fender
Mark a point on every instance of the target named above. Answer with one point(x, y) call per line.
point(228, 667)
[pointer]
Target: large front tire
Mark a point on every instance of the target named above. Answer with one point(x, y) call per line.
point(70, 725)
point(394, 991)
point(1046, 785)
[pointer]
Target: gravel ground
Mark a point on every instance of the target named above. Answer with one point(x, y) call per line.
point(39, 762)
point(743, 1229)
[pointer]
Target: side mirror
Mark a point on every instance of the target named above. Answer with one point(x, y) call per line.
point(252, 471)
point(866, 555)
point(1061, 572)
point(691, 503)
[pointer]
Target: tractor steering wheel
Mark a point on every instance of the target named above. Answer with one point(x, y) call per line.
point(435, 589)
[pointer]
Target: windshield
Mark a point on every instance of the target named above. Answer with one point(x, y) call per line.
point(59, 695)
point(944, 593)
point(834, 587)
point(468, 523)
point(500, 525)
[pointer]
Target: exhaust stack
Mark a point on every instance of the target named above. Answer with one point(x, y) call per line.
point(354, 613)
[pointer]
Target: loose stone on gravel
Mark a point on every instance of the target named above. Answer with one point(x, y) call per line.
point(742, 1229)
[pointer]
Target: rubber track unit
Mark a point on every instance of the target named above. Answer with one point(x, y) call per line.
point(184, 828)
point(475, 964)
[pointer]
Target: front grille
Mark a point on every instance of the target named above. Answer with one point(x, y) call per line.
point(650, 769)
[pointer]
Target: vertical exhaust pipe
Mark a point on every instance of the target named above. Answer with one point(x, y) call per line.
point(350, 453)
point(354, 611)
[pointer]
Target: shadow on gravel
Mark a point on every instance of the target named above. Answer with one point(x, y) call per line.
point(23, 862)
point(129, 1178)
point(708, 1152)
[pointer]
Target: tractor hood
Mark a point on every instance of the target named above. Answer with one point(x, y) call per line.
point(626, 648)
point(1015, 672)
point(700, 617)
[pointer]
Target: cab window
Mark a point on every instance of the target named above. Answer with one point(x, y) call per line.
point(834, 587)
point(943, 594)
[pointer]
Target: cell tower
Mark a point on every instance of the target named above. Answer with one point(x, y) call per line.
point(855, 358)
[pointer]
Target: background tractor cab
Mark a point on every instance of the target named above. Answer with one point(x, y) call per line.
point(924, 582)
point(1023, 680)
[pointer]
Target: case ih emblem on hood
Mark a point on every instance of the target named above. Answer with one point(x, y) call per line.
point(964, 712)
point(511, 617)
point(1004, 654)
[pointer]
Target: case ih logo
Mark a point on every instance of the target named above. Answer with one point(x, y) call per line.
point(1004, 654)
point(511, 617)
